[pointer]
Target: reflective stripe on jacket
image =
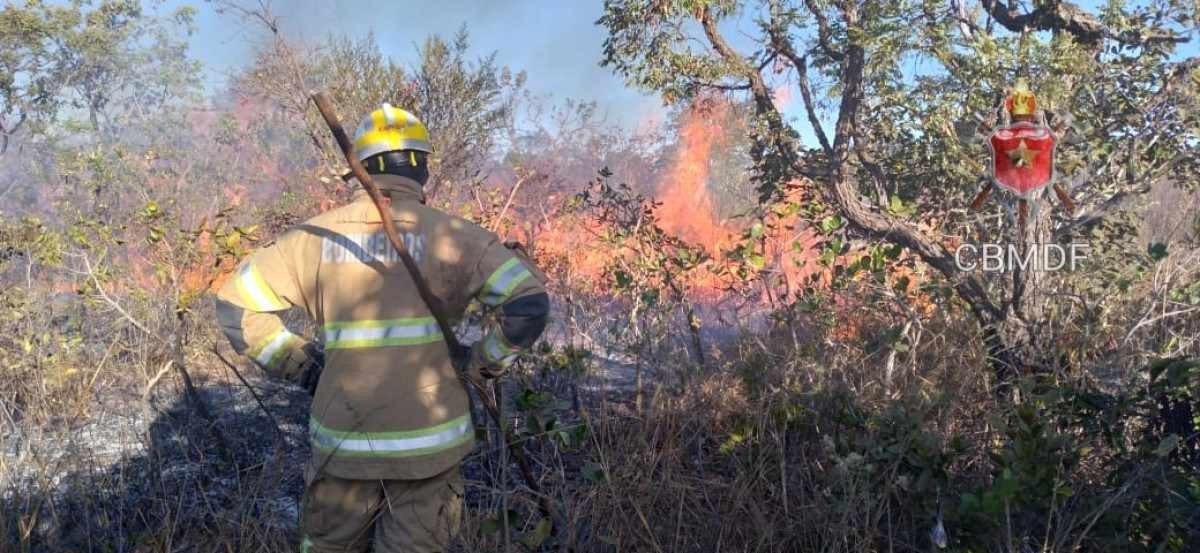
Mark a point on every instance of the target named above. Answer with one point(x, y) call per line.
point(389, 404)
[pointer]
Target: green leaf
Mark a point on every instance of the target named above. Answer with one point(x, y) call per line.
point(1167, 445)
point(495, 524)
point(732, 442)
point(593, 472)
point(969, 503)
point(756, 230)
point(150, 210)
point(623, 279)
point(1157, 251)
point(828, 255)
point(489, 526)
point(534, 538)
point(578, 434)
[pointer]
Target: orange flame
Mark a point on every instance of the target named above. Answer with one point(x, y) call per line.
point(687, 209)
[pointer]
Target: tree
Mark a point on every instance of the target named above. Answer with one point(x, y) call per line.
point(112, 62)
point(73, 74)
point(903, 137)
point(466, 104)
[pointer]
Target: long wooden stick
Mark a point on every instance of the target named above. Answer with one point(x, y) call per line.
point(981, 196)
point(1064, 199)
point(434, 303)
point(1022, 216)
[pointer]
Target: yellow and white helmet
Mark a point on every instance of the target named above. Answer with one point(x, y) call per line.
point(388, 129)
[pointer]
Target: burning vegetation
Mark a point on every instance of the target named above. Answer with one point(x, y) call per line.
point(760, 339)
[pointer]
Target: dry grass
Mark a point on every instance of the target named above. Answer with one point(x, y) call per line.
point(828, 445)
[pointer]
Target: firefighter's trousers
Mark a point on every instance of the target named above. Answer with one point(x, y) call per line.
point(383, 516)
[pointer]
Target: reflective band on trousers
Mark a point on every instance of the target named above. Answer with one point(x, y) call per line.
point(387, 332)
point(255, 291)
point(274, 349)
point(503, 281)
point(408, 443)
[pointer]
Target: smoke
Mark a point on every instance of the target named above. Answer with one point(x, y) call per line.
point(782, 95)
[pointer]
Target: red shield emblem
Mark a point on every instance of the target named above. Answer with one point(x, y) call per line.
point(1022, 158)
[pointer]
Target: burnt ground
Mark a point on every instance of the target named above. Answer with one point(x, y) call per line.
point(137, 465)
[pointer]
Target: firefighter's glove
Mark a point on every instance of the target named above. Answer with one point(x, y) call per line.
point(314, 365)
point(460, 357)
point(469, 361)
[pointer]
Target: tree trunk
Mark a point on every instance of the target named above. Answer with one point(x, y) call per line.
point(1012, 339)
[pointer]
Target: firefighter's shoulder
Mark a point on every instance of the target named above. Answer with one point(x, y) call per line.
point(321, 225)
point(466, 229)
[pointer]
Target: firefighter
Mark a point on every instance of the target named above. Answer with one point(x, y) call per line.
point(390, 419)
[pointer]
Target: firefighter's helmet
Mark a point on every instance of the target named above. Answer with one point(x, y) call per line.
point(389, 129)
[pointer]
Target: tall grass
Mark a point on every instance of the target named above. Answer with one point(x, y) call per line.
point(826, 442)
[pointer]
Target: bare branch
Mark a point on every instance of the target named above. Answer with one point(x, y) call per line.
point(783, 45)
point(91, 273)
point(876, 172)
point(508, 203)
point(254, 393)
point(1068, 17)
point(966, 25)
point(1113, 203)
point(723, 87)
point(758, 87)
point(764, 102)
point(824, 32)
point(1140, 184)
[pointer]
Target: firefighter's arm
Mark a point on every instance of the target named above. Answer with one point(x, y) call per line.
point(510, 284)
point(263, 285)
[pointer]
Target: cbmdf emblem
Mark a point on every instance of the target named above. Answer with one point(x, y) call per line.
point(1022, 158)
point(1023, 154)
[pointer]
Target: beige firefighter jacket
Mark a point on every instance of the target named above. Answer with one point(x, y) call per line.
point(389, 404)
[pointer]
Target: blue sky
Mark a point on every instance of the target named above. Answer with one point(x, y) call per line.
point(555, 41)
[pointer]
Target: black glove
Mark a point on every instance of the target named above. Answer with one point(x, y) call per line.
point(465, 364)
point(310, 373)
point(460, 358)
